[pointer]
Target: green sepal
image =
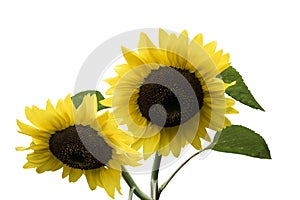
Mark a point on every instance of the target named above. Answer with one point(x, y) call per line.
point(78, 98)
point(241, 140)
point(239, 91)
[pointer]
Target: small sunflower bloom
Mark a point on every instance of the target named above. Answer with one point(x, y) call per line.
point(169, 95)
point(79, 142)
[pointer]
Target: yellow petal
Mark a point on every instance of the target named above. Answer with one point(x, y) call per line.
point(90, 179)
point(150, 144)
point(40, 147)
point(182, 44)
point(137, 144)
point(231, 110)
point(122, 69)
point(66, 171)
point(217, 56)
point(87, 110)
point(107, 102)
point(171, 50)
point(111, 90)
point(176, 146)
point(179, 49)
point(199, 39)
point(112, 81)
point(42, 119)
point(145, 42)
point(227, 122)
point(38, 157)
point(163, 38)
point(49, 106)
point(147, 50)
point(202, 133)
point(75, 174)
point(69, 108)
point(224, 63)
point(199, 59)
point(97, 176)
point(91, 105)
point(47, 166)
point(22, 148)
point(211, 47)
point(131, 57)
point(62, 111)
point(108, 178)
point(164, 140)
point(59, 113)
point(227, 85)
point(29, 165)
point(56, 165)
point(229, 102)
point(33, 132)
point(196, 143)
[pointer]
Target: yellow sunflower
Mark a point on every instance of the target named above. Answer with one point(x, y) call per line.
point(169, 95)
point(79, 142)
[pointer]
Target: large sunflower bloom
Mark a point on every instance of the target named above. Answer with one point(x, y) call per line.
point(169, 95)
point(79, 142)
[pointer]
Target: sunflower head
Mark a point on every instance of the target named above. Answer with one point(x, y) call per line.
point(169, 95)
point(79, 141)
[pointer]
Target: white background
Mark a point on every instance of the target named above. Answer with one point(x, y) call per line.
point(43, 45)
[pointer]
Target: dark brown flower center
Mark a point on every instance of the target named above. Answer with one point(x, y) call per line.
point(80, 147)
point(170, 96)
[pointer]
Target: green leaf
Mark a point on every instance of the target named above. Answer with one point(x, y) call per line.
point(241, 140)
point(239, 91)
point(77, 98)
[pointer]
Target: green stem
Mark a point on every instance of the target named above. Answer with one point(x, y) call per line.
point(154, 177)
point(133, 186)
point(164, 185)
point(130, 195)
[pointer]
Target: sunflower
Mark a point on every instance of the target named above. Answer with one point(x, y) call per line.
point(79, 142)
point(169, 95)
